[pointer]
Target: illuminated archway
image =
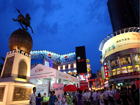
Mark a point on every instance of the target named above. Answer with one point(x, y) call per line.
point(22, 69)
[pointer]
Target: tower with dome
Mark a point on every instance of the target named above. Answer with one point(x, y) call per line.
point(14, 82)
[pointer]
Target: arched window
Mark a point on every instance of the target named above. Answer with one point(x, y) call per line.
point(22, 69)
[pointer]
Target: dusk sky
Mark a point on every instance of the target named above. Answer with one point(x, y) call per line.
point(59, 25)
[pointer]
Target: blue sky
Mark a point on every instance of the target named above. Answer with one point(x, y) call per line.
point(59, 25)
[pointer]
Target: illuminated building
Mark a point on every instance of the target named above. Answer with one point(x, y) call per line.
point(14, 82)
point(65, 63)
point(121, 56)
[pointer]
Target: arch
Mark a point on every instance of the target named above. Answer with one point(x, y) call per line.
point(22, 69)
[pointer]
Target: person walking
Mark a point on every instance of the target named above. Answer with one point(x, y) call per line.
point(33, 97)
point(53, 98)
point(95, 98)
point(38, 99)
point(123, 96)
point(79, 98)
point(135, 94)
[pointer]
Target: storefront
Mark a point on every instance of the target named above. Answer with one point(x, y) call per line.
point(45, 78)
point(121, 58)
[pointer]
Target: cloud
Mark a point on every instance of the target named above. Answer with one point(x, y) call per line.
point(59, 25)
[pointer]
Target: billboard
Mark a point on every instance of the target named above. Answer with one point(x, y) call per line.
point(114, 63)
point(136, 58)
point(125, 60)
point(81, 60)
point(121, 42)
point(106, 74)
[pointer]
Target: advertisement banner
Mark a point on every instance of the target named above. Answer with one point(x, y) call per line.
point(125, 60)
point(106, 71)
point(58, 88)
point(136, 58)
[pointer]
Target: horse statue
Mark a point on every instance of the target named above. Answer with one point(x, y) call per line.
point(24, 21)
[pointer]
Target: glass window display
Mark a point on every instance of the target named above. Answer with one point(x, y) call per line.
point(21, 93)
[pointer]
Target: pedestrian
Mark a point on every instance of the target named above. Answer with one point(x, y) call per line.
point(79, 98)
point(52, 98)
point(64, 102)
point(33, 97)
point(123, 96)
point(135, 94)
point(45, 98)
point(69, 99)
point(102, 98)
point(95, 98)
point(38, 99)
point(111, 96)
point(117, 97)
point(105, 97)
point(59, 102)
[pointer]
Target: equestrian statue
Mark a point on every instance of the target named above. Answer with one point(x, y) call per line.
point(24, 21)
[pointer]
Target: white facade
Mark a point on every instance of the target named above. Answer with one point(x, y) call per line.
point(15, 90)
point(42, 74)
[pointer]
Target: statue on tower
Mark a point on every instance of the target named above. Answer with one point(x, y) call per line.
point(24, 21)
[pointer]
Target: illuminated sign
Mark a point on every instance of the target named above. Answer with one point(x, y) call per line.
point(121, 42)
point(106, 71)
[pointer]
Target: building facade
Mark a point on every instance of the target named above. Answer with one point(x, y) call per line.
point(65, 63)
point(124, 13)
point(121, 56)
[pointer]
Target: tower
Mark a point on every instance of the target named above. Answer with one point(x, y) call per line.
point(14, 85)
point(124, 13)
point(17, 62)
point(81, 59)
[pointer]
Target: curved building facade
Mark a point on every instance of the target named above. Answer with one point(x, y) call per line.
point(121, 56)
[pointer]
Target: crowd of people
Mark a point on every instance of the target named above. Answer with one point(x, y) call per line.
point(107, 96)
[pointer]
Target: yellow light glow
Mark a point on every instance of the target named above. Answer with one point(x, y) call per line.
point(87, 60)
point(114, 70)
point(58, 67)
point(137, 65)
point(20, 79)
point(64, 67)
point(74, 65)
point(129, 66)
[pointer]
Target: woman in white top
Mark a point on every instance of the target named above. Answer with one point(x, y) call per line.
point(33, 97)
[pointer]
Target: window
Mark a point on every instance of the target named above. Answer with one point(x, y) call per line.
point(58, 67)
point(74, 65)
point(69, 66)
point(64, 67)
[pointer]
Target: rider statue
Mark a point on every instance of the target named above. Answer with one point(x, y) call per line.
point(24, 21)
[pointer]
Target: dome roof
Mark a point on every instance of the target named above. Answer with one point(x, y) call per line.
point(20, 39)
